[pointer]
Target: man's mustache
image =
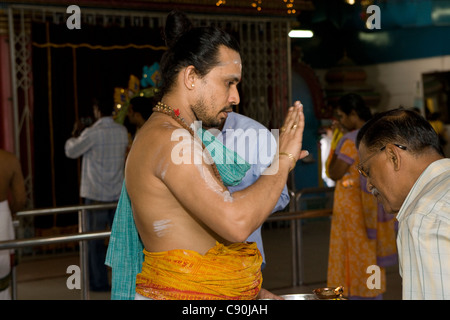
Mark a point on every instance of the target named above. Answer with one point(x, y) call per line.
point(227, 109)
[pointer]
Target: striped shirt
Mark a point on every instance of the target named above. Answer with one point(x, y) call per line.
point(424, 235)
point(103, 146)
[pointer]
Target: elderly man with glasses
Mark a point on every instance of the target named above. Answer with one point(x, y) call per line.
point(407, 172)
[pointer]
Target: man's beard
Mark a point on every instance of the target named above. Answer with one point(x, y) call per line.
point(200, 113)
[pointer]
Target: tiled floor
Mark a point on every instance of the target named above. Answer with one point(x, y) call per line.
point(44, 276)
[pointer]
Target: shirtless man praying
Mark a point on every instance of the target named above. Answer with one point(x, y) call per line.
point(192, 228)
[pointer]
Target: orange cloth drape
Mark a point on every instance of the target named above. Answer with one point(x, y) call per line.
point(224, 273)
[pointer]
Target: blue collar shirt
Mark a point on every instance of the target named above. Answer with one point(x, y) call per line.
point(256, 145)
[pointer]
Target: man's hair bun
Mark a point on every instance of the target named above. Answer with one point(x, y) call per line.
point(177, 24)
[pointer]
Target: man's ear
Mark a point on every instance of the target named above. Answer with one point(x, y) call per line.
point(394, 156)
point(190, 76)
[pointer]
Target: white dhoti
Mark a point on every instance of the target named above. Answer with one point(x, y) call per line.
point(6, 233)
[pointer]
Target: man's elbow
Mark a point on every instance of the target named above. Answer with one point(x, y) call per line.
point(238, 235)
point(70, 156)
point(70, 150)
point(239, 230)
point(70, 153)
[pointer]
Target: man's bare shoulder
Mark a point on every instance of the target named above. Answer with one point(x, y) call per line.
point(154, 144)
point(156, 134)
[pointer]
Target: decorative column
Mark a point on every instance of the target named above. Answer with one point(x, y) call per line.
point(6, 107)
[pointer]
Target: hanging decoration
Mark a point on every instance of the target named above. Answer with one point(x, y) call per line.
point(290, 6)
point(257, 4)
point(151, 76)
point(97, 47)
point(146, 87)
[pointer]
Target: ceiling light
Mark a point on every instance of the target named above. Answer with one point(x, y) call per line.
point(301, 34)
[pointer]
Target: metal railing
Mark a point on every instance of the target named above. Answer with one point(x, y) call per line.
point(82, 237)
point(295, 215)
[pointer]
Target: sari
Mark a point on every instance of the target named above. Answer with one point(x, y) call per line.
point(362, 235)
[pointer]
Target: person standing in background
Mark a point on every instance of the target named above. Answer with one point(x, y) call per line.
point(12, 186)
point(139, 110)
point(435, 120)
point(362, 234)
point(103, 147)
point(237, 135)
point(244, 136)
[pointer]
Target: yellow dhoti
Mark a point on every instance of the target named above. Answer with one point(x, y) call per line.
point(224, 273)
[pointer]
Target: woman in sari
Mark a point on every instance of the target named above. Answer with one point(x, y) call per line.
point(362, 239)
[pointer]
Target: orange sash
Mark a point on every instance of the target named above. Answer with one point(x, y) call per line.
point(224, 273)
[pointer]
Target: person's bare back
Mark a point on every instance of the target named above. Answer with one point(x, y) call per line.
point(162, 221)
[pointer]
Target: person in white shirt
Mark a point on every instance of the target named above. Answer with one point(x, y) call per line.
point(407, 172)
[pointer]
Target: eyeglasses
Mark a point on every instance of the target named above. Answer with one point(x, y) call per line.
point(365, 173)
